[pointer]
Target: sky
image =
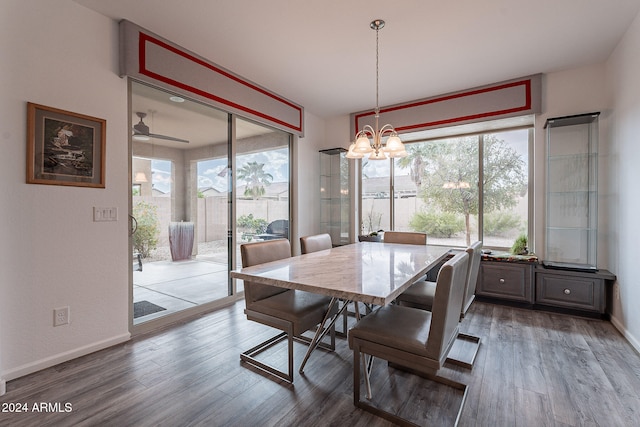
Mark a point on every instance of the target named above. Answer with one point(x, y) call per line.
point(517, 139)
point(212, 173)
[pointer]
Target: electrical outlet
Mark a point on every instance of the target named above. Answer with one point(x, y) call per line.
point(616, 291)
point(60, 316)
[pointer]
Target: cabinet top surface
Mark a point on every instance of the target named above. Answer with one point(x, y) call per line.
point(598, 274)
point(578, 119)
point(509, 257)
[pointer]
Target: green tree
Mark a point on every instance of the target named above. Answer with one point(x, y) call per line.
point(446, 175)
point(145, 239)
point(256, 179)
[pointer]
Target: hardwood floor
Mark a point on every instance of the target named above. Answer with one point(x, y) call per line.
point(533, 369)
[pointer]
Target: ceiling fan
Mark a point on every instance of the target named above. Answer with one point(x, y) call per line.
point(142, 130)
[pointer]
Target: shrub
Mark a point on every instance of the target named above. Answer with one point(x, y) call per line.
point(249, 223)
point(445, 224)
point(145, 239)
point(500, 223)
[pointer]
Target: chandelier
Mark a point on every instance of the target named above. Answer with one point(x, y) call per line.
point(369, 140)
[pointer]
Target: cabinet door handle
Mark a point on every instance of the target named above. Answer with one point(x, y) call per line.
point(567, 291)
point(501, 280)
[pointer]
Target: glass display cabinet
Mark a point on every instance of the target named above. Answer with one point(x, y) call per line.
point(334, 195)
point(572, 192)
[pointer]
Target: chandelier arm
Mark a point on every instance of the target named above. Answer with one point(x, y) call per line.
point(387, 128)
point(367, 131)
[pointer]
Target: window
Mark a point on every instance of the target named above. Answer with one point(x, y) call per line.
point(457, 189)
point(505, 186)
point(376, 193)
point(437, 186)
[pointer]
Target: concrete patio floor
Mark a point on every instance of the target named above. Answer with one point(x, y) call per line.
point(178, 285)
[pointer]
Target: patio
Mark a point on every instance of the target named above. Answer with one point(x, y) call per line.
point(178, 285)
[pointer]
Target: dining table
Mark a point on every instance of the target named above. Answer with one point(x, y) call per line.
point(372, 273)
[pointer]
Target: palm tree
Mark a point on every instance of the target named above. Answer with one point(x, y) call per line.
point(256, 179)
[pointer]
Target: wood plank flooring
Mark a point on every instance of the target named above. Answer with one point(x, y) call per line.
point(533, 369)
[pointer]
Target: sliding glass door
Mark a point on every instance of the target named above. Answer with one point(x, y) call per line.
point(179, 204)
point(203, 182)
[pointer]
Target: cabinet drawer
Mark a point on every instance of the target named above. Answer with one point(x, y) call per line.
point(580, 293)
point(508, 281)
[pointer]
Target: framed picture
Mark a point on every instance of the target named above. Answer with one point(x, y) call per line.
point(64, 148)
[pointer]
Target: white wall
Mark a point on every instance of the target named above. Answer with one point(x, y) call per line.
point(52, 254)
point(565, 93)
point(624, 226)
point(306, 180)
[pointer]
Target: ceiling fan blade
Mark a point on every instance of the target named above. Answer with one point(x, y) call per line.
point(143, 130)
point(168, 138)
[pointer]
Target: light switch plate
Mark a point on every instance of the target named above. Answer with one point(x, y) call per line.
point(105, 214)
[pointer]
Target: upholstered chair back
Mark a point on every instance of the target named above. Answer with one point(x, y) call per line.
point(260, 253)
point(317, 242)
point(406, 237)
point(445, 318)
point(474, 252)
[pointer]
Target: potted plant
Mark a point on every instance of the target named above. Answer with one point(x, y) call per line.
point(374, 236)
point(520, 245)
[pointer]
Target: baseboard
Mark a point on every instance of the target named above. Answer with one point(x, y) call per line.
point(3, 387)
point(48, 362)
point(620, 327)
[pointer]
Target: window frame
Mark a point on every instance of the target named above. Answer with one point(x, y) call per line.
point(480, 134)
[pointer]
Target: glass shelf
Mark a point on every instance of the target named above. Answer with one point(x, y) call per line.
point(334, 195)
point(572, 191)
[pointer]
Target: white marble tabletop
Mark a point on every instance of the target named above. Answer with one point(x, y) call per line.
point(369, 272)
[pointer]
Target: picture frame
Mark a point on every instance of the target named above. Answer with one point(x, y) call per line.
point(65, 148)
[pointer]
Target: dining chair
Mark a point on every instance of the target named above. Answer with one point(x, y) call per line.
point(320, 242)
point(314, 243)
point(406, 237)
point(421, 295)
point(412, 339)
point(291, 311)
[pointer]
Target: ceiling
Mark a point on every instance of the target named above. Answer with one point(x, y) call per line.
point(195, 122)
point(321, 54)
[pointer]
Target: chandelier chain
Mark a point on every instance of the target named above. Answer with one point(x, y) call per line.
point(377, 72)
point(368, 140)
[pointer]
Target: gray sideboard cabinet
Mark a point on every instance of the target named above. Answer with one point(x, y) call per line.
point(524, 281)
point(506, 280)
point(574, 290)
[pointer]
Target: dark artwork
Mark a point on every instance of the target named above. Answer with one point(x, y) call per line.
point(68, 148)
